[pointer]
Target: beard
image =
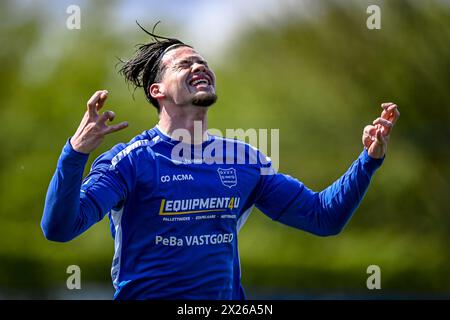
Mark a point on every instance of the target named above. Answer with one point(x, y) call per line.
point(204, 99)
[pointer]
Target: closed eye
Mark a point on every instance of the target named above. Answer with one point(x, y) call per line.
point(188, 63)
point(183, 64)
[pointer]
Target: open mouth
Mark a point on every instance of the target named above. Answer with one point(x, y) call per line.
point(199, 82)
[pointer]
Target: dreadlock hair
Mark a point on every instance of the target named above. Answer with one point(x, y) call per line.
point(145, 67)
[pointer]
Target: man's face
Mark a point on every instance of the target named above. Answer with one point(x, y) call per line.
point(187, 79)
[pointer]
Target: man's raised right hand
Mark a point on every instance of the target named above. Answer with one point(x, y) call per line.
point(93, 127)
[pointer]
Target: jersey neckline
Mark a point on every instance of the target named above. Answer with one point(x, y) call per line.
point(164, 136)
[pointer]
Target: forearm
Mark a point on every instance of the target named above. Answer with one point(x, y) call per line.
point(289, 201)
point(327, 212)
point(63, 218)
point(337, 203)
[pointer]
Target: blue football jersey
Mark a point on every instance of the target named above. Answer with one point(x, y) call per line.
point(176, 209)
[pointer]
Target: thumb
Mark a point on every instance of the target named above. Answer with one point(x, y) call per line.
point(380, 138)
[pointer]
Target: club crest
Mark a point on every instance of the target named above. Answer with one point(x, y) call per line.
point(228, 177)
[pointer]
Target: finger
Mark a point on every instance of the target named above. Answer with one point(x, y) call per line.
point(101, 100)
point(107, 115)
point(370, 130)
point(93, 101)
point(386, 105)
point(367, 140)
point(369, 135)
point(383, 122)
point(388, 109)
point(394, 114)
point(387, 125)
point(380, 138)
point(116, 127)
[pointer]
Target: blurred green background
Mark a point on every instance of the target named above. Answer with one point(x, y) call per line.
point(310, 68)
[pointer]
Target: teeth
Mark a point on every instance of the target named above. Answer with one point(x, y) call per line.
point(198, 81)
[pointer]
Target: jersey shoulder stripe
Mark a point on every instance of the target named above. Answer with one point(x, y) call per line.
point(133, 146)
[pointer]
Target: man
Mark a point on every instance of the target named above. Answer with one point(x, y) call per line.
point(175, 221)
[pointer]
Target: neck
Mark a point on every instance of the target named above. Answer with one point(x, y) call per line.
point(187, 123)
